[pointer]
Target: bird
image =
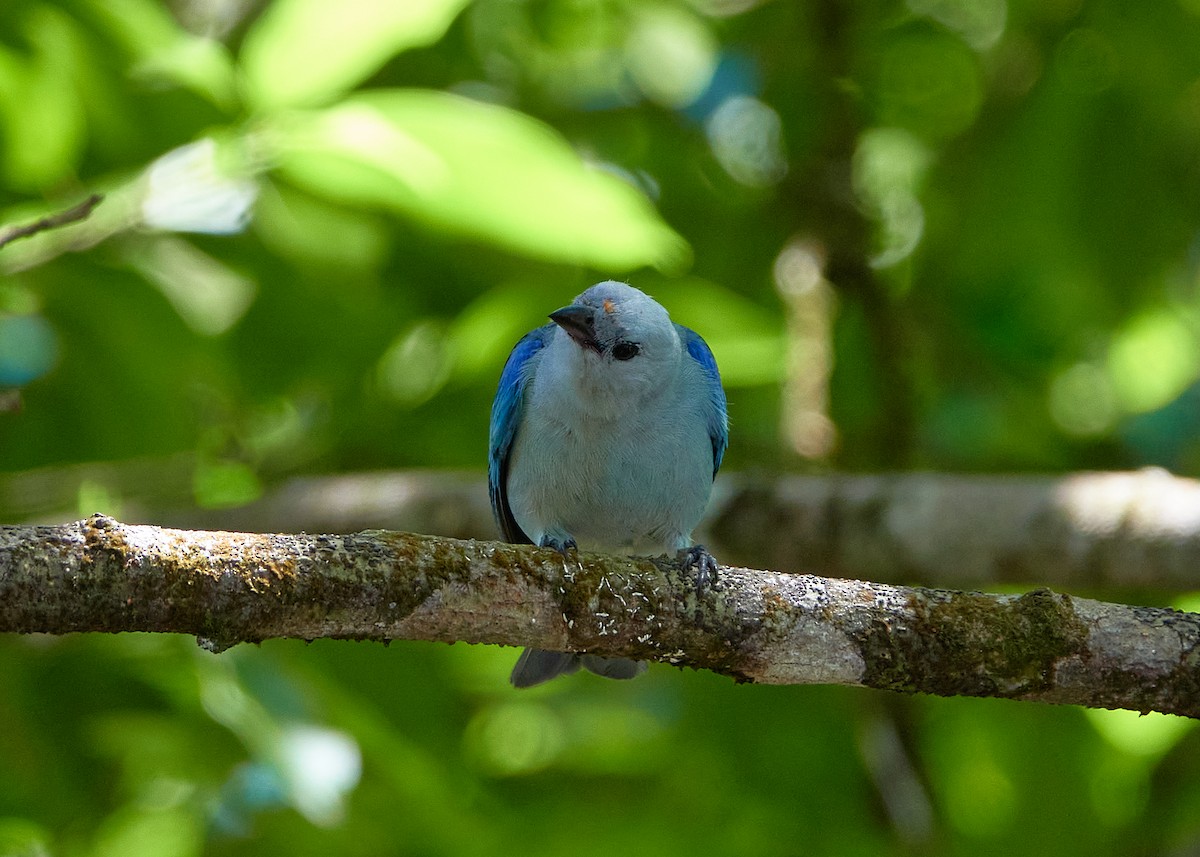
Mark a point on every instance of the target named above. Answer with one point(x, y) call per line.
point(607, 430)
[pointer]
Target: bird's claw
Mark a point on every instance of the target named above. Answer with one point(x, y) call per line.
point(565, 547)
point(697, 557)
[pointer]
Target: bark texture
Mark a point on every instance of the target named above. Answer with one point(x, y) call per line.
point(758, 626)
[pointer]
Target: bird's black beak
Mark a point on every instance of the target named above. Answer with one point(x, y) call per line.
point(580, 324)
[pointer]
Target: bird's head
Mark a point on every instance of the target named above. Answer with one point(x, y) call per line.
point(622, 340)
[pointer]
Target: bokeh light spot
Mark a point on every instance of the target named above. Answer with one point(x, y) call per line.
point(671, 56)
point(980, 799)
point(1153, 360)
point(515, 738)
point(321, 766)
point(28, 348)
point(224, 484)
point(416, 365)
point(979, 22)
point(746, 136)
point(889, 168)
point(1081, 400)
point(1149, 735)
point(930, 82)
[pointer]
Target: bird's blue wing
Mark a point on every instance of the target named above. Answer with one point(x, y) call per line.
point(506, 416)
point(716, 412)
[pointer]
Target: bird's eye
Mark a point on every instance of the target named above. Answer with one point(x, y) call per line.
point(625, 350)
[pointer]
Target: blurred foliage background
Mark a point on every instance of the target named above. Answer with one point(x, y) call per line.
point(945, 234)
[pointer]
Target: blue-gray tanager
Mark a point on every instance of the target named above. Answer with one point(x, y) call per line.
point(607, 430)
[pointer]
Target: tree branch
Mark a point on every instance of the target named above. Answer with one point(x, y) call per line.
point(1137, 529)
point(74, 214)
point(1083, 530)
point(759, 626)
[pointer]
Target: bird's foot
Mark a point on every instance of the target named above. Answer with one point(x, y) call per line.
point(565, 546)
point(697, 557)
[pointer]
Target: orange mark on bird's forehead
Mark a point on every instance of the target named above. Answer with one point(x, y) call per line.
point(609, 305)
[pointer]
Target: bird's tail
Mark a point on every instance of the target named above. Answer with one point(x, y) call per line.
point(538, 665)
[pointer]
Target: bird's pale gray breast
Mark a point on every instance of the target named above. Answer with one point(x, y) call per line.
point(640, 482)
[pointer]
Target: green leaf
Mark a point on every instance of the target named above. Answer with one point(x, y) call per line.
point(297, 226)
point(481, 170)
point(163, 51)
point(43, 118)
point(134, 831)
point(306, 52)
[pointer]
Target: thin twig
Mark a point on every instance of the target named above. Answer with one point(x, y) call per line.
point(73, 214)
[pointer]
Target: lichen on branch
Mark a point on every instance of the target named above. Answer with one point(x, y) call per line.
point(754, 626)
